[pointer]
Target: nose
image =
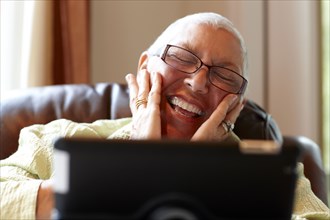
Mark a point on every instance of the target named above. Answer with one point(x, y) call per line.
point(198, 81)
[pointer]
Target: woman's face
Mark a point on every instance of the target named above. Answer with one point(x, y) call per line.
point(185, 94)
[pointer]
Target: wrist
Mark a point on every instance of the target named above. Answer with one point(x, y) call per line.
point(45, 200)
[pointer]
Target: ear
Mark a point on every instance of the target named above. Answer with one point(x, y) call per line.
point(143, 61)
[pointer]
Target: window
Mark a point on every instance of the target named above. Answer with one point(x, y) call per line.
point(16, 23)
point(325, 8)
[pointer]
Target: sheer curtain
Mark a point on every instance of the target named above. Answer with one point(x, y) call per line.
point(44, 43)
point(18, 31)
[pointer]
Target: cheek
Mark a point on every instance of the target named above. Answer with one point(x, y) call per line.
point(155, 64)
point(169, 76)
point(218, 96)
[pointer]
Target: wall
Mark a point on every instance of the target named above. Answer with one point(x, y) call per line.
point(122, 30)
point(280, 36)
point(293, 70)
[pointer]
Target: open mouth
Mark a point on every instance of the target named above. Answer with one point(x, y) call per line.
point(184, 107)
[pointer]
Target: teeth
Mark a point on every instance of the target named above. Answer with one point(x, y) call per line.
point(186, 106)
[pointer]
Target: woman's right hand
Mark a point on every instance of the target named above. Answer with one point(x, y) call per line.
point(145, 104)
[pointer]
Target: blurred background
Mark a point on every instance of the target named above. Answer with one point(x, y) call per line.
point(65, 42)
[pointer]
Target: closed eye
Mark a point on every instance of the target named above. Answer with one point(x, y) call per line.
point(225, 77)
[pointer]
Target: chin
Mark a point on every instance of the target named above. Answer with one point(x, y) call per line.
point(175, 133)
point(178, 123)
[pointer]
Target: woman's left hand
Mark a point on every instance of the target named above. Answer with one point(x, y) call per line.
point(212, 128)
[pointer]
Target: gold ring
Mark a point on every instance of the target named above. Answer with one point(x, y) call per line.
point(140, 102)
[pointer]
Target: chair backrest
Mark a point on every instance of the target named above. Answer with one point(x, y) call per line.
point(87, 103)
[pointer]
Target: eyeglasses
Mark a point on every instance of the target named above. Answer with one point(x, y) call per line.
point(221, 77)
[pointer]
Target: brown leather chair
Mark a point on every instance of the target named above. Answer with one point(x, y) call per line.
point(87, 103)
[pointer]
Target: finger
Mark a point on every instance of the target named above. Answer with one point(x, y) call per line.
point(234, 113)
point(155, 92)
point(221, 111)
point(143, 80)
point(133, 90)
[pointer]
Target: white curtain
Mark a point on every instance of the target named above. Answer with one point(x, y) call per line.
point(26, 46)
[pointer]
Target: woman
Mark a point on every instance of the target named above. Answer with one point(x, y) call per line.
point(189, 85)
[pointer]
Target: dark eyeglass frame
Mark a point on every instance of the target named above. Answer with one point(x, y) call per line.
point(244, 82)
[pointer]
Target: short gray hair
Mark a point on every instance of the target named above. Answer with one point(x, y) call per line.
point(208, 18)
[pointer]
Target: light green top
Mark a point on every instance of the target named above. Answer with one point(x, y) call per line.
point(21, 173)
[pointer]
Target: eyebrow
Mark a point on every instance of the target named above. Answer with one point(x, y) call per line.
point(189, 47)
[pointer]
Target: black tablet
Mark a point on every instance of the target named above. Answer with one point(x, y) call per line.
point(174, 180)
